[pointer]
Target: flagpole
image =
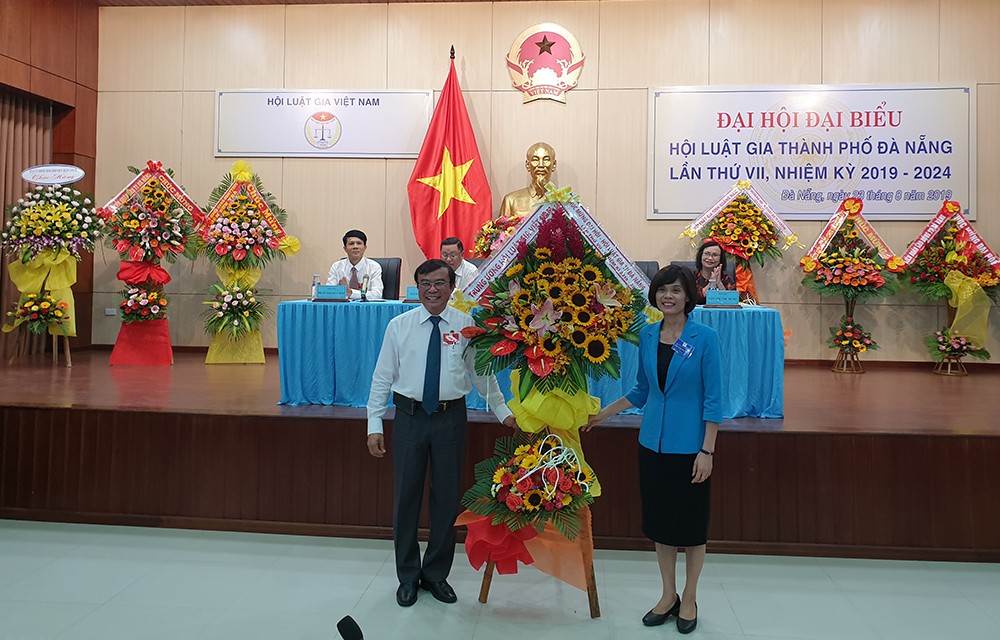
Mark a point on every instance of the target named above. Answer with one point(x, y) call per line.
point(452, 52)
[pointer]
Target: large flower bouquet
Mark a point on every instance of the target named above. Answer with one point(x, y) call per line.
point(150, 228)
point(942, 344)
point(494, 233)
point(850, 337)
point(743, 230)
point(38, 313)
point(241, 237)
point(51, 218)
point(234, 310)
point(141, 304)
point(556, 315)
point(851, 268)
point(950, 250)
point(531, 480)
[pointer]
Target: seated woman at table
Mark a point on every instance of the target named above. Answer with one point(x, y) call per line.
point(710, 264)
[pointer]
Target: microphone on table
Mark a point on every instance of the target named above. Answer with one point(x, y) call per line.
point(364, 288)
point(349, 629)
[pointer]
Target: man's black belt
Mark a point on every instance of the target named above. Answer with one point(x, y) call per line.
point(409, 406)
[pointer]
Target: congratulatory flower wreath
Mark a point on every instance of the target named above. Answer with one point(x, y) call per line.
point(52, 218)
point(555, 316)
point(494, 233)
point(848, 265)
point(743, 230)
point(531, 480)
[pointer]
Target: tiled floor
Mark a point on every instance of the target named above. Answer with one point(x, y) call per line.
point(108, 583)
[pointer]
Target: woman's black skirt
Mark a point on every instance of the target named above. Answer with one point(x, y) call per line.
point(674, 509)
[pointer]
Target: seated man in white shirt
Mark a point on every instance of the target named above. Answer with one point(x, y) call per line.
point(356, 270)
point(453, 253)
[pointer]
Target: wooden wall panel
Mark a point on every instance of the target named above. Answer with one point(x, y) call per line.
point(53, 37)
point(867, 495)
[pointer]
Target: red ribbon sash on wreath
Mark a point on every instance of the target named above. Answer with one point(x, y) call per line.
point(486, 542)
point(140, 272)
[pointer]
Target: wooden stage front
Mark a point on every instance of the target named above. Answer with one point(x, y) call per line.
point(895, 463)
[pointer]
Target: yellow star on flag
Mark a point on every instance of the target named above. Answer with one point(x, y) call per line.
point(449, 182)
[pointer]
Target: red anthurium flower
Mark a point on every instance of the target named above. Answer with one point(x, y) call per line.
point(534, 352)
point(473, 331)
point(258, 250)
point(273, 242)
point(503, 347)
point(239, 254)
point(222, 249)
point(135, 254)
point(541, 367)
point(121, 246)
point(493, 323)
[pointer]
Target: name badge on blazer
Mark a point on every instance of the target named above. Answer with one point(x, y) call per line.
point(683, 348)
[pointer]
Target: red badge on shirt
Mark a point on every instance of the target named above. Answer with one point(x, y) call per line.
point(450, 338)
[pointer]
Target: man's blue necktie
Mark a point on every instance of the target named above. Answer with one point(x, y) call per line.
point(432, 375)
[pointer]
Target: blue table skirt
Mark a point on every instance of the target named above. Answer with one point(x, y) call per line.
point(327, 354)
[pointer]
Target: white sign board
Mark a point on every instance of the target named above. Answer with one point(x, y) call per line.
point(322, 124)
point(53, 174)
point(903, 150)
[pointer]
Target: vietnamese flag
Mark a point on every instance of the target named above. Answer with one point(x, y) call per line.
point(448, 191)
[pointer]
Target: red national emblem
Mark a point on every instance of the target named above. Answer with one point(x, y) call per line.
point(545, 61)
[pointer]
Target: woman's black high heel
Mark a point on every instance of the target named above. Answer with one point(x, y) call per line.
point(687, 626)
point(653, 619)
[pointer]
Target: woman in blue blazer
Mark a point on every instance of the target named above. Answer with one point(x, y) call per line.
point(678, 384)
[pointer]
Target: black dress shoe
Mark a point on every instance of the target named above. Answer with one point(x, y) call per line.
point(687, 626)
point(440, 590)
point(653, 619)
point(406, 594)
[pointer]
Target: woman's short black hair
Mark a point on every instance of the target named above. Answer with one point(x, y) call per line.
point(669, 275)
point(701, 250)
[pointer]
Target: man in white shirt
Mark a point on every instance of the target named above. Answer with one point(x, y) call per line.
point(423, 364)
point(453, 253)
point(356, 271)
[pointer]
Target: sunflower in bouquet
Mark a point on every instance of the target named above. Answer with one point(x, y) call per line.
point(743, 231)
point(850, 267)
point(494, 233)
point(51, 218)
point(150, 227)
point(556, 315)
point(951, 250)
